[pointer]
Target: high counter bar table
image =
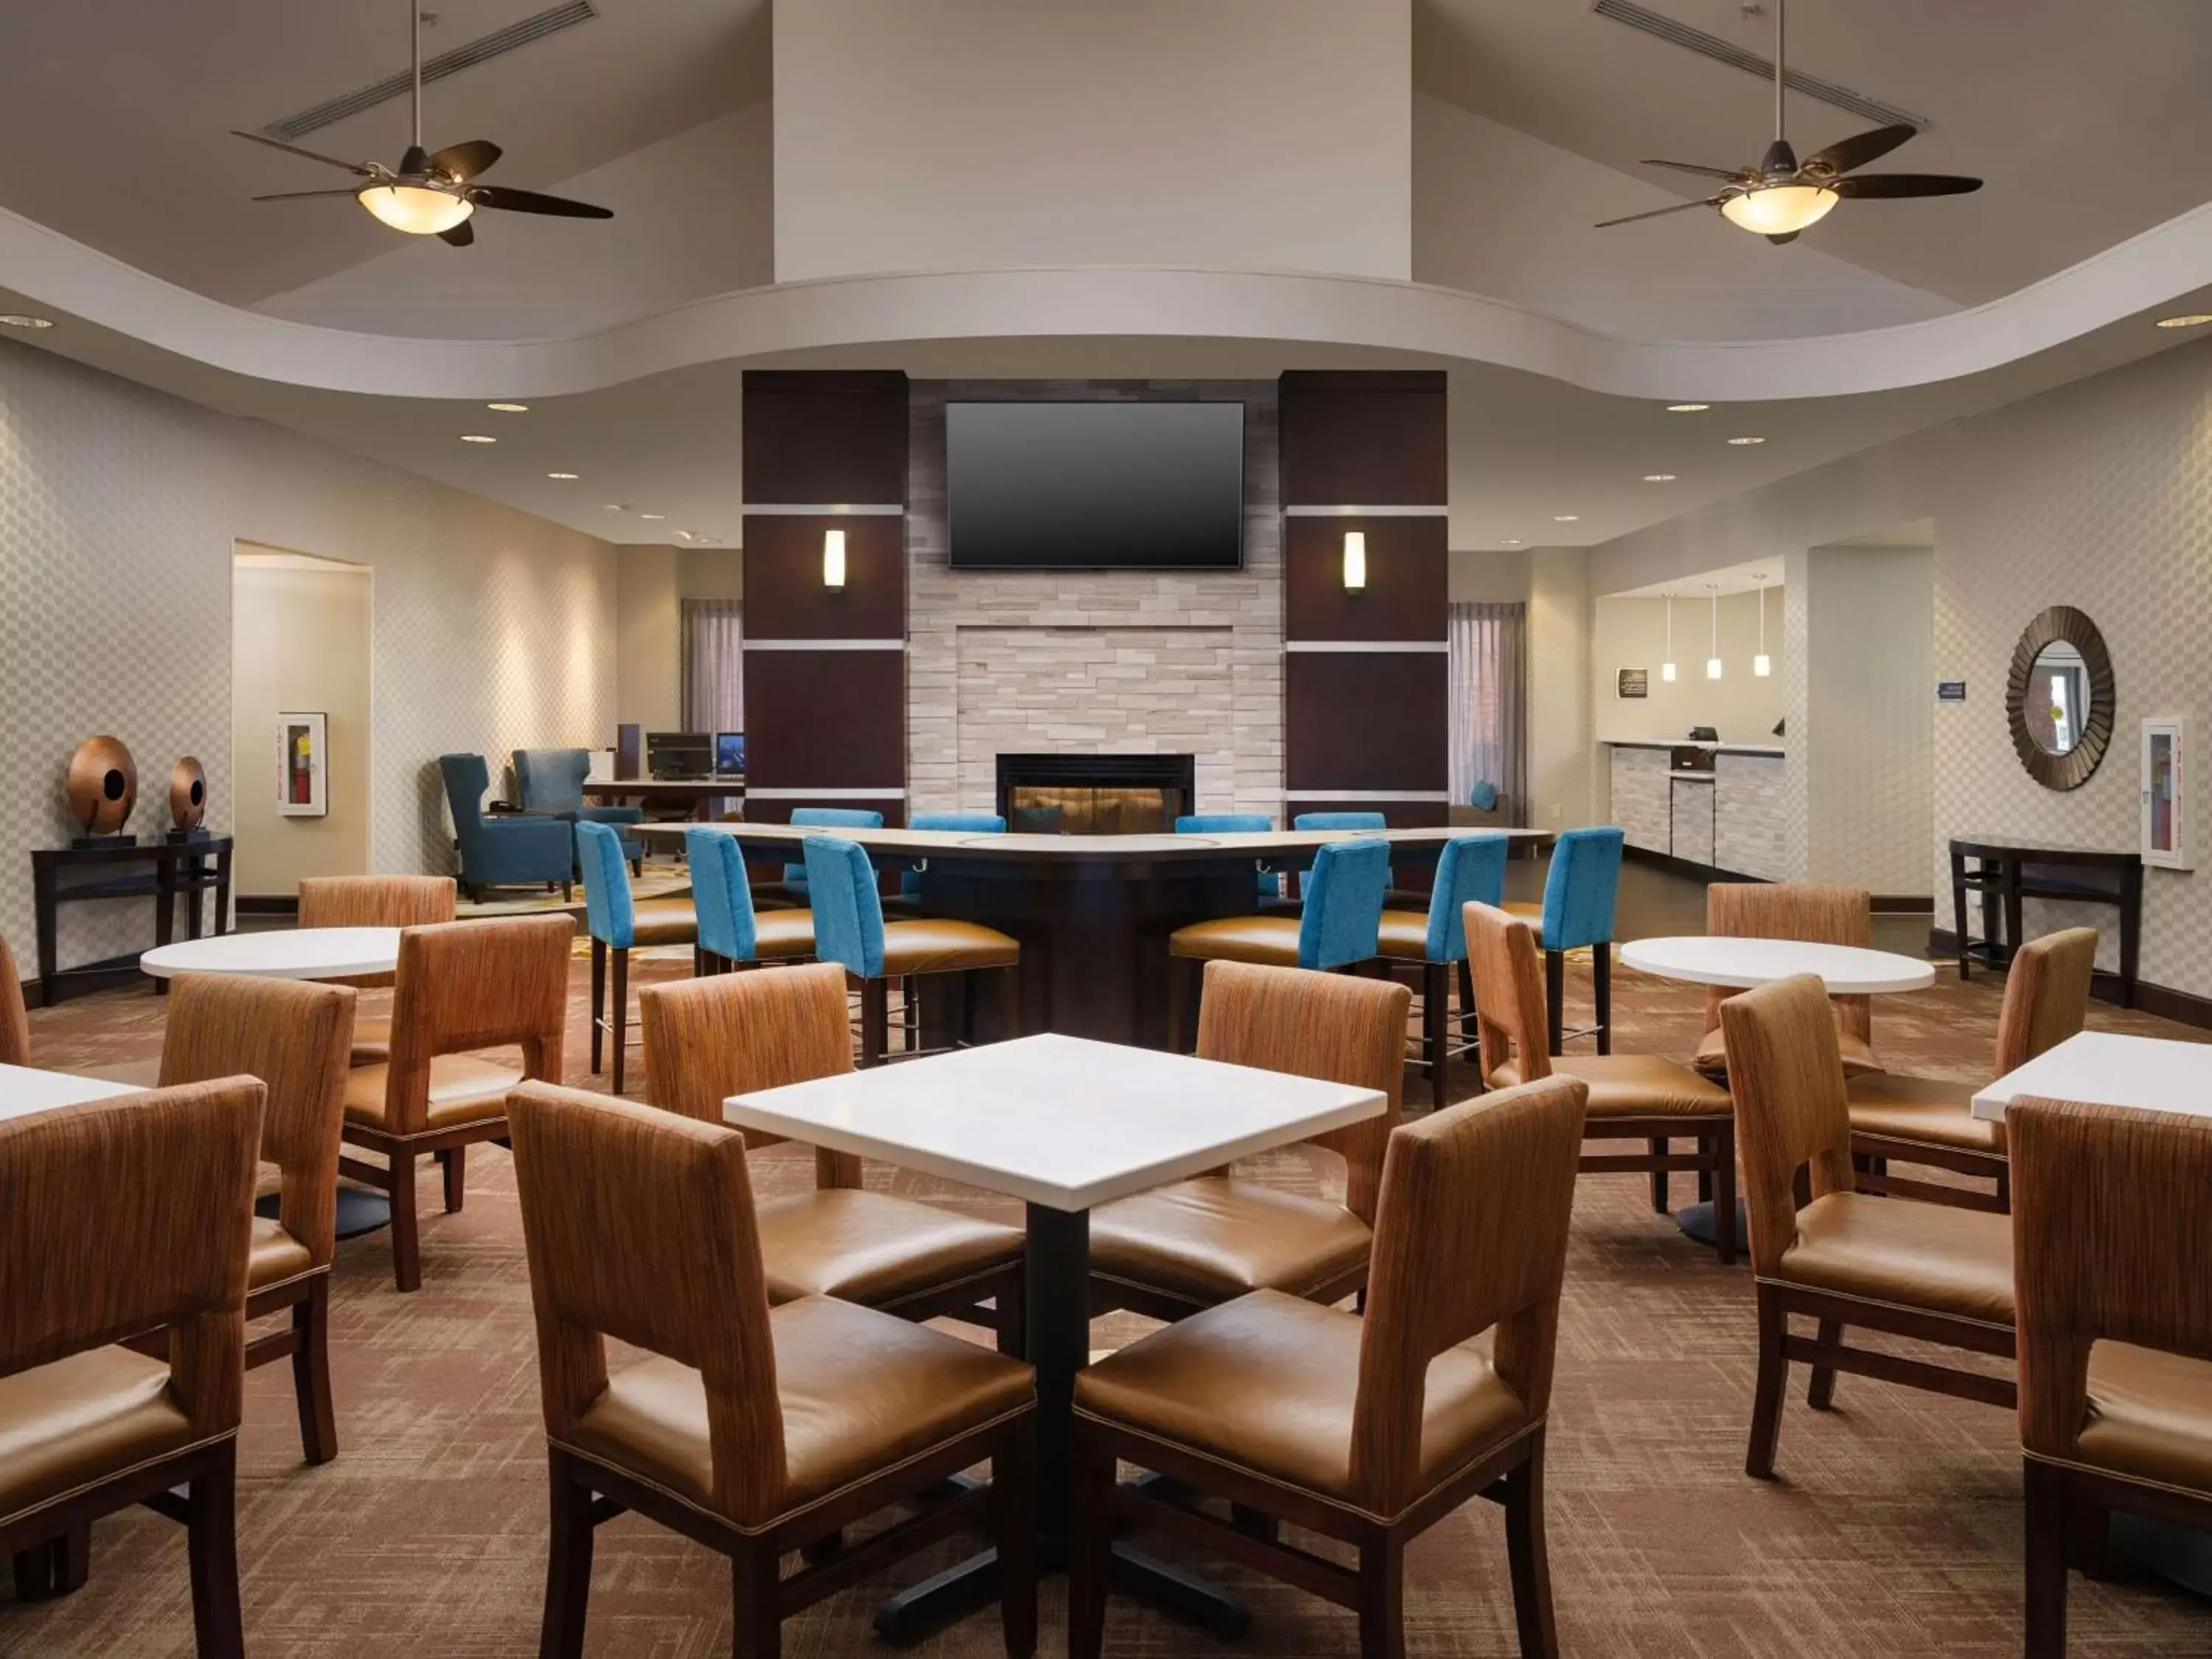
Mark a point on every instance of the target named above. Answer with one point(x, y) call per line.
point(1741, 965)
point(1064, 1124)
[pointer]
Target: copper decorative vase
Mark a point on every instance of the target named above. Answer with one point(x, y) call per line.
point(187, 799)
point(102, 788)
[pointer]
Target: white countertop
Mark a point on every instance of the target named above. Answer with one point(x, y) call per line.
point(2106, 1069)
point(1740, 964)
point(1060, 1121)
point(280, 953)
point(1773, 748)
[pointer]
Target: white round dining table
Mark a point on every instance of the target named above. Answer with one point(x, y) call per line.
point(280, 953)
point(1742, 964)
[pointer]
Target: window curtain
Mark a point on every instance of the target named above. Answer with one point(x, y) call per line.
point(1490, 704)
point(713, 665)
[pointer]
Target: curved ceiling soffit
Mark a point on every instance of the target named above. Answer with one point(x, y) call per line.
point(2149, 271)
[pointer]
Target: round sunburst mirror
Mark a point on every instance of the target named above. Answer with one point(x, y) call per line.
point(2059, 698)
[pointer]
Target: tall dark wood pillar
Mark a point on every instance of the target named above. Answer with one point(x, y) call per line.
point(825, 668)
point(1365, 672)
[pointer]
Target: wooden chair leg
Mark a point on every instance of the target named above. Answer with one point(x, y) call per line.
point(1657, 1146)
point(567, 1565)
point(1254, 1523)
point(875, 1020)
point(1723, 1188)
point(1467, 1032)
point(1013, 1511)
point(2046, 1561)
point(211, 1526)
point(1555, 997)
point(454, 1163)
point(1382, 1598)
point(1773, 1381)
point(1436, 1029)
point(756, 1614)
point(1525, 1556)
point(618, 1018)
point(311, 1371)
point(1821, 1390)
point(1010, 1002)
point(1602, 989)
point(1011, 1323)
point(406, 1241)
point(72, 1553)
point(1092, 1548)
point(598, 1002)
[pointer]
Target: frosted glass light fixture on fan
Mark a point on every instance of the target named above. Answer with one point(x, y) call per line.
point(1667, 668)
point(1713, 662)
point(1762, 665)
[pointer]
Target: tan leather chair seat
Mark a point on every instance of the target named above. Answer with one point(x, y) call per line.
point(1271, 941)
point(2150, 1415)
point(937, 945)
point(1266, 1383)
point(779, 935)
point(1405, 935)
point(268, 1178)
point(1858, 1055)
point(274, 1257)
point(1914, 1256)
point(1634, 1086)
point(1531, 914)
point(861, 1391)
point(1217, 1237)
point(463, 1089)
point(664, 922)
point(372, 1039)
point(82, 1419)
point(1929, 1108)
point(870, 1247)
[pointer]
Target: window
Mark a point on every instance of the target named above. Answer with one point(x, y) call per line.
point(1489, 704)
point(713, 665)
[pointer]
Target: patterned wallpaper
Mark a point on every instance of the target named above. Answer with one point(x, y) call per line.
point(1871, 695)
point(118, 506)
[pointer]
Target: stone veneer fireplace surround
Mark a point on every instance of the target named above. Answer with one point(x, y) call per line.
point(1093, 662)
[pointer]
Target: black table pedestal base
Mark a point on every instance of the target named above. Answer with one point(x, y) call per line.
point(1698, 1222)
point(359, 1211)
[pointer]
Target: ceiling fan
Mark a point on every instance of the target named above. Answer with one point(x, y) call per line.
point(1780, 196)
point(430, 193)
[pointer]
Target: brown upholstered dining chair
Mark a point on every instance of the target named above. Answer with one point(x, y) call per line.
point(1928, 1121)
point(294, 1038)
point(752, 1430)
point(462, 986)
point(15, 1019)
point(1176, 1249)
point(708, 1039)
point(373, 901)
point(2112, 1228)
point(1812, 915)
point(1645, 1098)
point(1366, 1429)
point(89, 1427)
point(1931, 1272)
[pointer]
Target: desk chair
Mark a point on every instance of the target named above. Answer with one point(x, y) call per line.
point(618, 924)
point(1579, 890)
point(509, 849)
point(1470, 870)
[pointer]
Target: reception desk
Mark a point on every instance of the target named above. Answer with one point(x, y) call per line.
point(1724, 814)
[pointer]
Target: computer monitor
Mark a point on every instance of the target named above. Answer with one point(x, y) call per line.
point(729, 754)
point(678, 754)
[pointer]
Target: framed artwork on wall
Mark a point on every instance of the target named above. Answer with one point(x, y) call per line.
point(2165, 793)
point(1632, 683)
point(303, 766)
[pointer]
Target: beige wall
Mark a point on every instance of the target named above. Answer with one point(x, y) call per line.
point(1559, 759)
point(1869, 721)
point(651, 584)
point(299, 634)
point(1633, 634)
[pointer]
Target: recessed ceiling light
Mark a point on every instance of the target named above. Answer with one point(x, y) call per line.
point(686, 535)
point(510, 408)
point(1658, 477)
point(2192, 319)
point(1567, 518)
point(708, 541)
point(1686, 409)
point(561, 475)
point(653, 515)
point(616, 506)
point(476, 438)
point(1742, 443)
point(16, 319)
point(1510, 541)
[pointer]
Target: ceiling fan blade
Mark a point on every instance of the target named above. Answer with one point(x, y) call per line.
point(304, 195)
point(1679, 207)
point(1692, 167)
point(462, 163)
point(459, 236)
point(1861, 147)
point(1875, 186)
point(531, 201)
point(312, 156)
point(1785, 238)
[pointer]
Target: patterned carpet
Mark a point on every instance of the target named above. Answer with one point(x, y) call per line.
point(1894, 1529)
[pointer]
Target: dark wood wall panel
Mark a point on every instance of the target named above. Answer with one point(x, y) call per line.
point(1364, 440)
point(1408, 595)
point(1365, 720)
point(785, 599)
point(780, 811)
point(824, 439)
point(825, 720)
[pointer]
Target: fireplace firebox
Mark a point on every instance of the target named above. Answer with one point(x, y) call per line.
point(1096, 794)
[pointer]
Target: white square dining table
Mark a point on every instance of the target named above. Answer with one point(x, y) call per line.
point(2107, 1068)
point(26, 1089)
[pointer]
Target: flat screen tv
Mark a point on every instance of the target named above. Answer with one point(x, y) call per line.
point(1095, 486)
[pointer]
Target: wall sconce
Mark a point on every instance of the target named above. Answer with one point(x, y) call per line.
point(833, 558)
point(1713, 662)
point(1762, 665)
point(1355, 560)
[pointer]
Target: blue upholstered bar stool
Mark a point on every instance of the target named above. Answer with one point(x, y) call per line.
point(1577, 911)
point(1402, 858)
point(849, 929)
point(1470, 870)
point(1235, 823)
point(732, 934)
point(824, 818)
point(973, 823)
point(619, 924)
point(1339, 927)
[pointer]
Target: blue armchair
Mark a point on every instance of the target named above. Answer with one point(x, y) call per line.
point(506, 851)
point(549, 783)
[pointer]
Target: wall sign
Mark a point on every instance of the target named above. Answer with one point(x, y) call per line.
point(1634, 683)
point(1950, 691)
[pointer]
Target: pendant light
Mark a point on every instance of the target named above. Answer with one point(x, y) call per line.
point(1667, 668)
point(1762, 665)
point(1713, 662)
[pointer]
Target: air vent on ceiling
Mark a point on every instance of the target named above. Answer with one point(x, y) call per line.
point(497, 44)
point(1750, 63)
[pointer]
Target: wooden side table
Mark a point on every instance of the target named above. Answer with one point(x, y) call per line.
point(180, 868)
point(2003, 872)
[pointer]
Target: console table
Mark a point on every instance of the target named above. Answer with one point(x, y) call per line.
point(180, 868)
point(2005, 871)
